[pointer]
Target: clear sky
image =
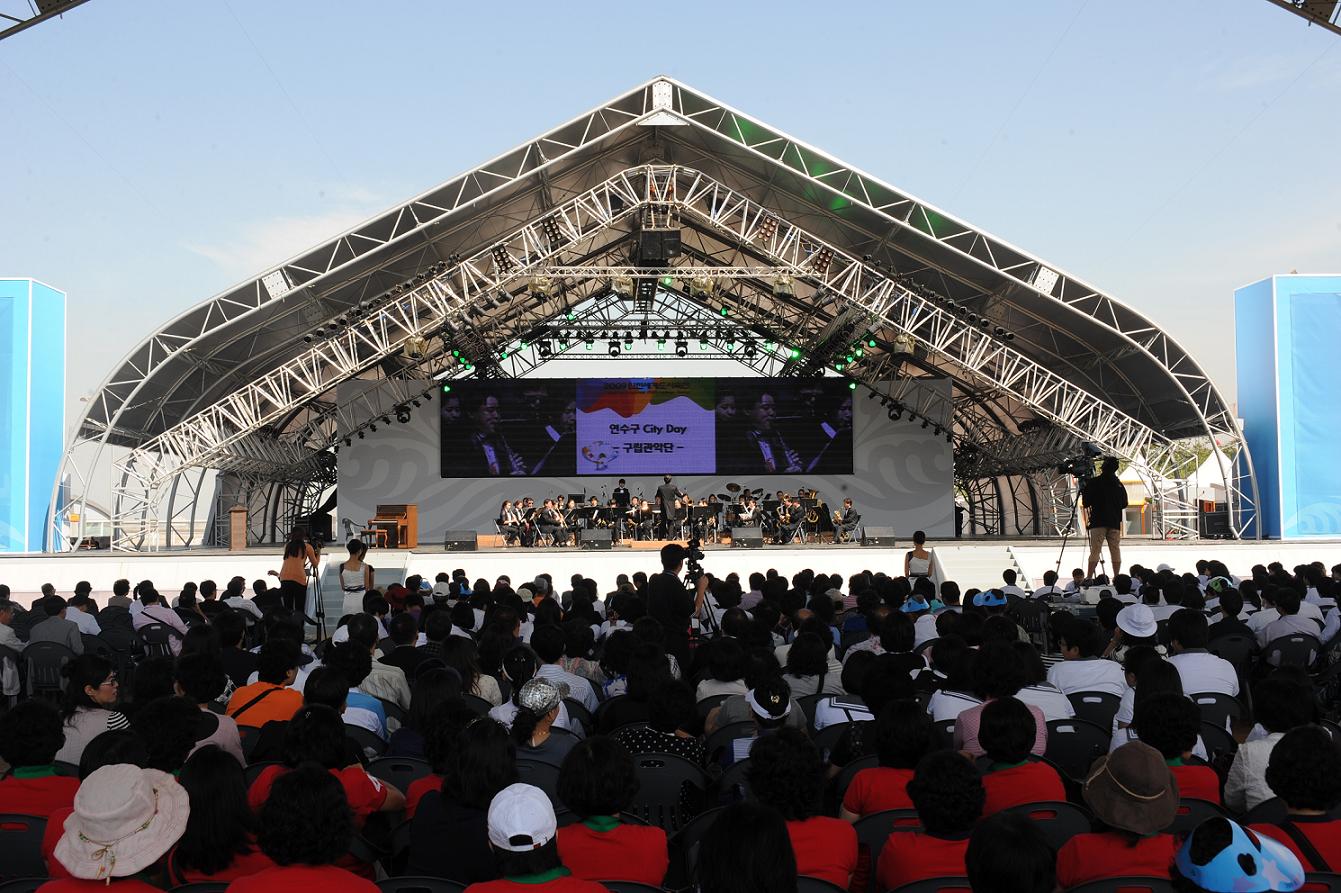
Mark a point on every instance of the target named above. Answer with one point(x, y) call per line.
point(157, 152)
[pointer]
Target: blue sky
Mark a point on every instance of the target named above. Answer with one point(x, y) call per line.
point(156, 153)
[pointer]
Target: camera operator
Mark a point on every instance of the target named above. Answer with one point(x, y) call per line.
point(1105, 498)
point(670, 602)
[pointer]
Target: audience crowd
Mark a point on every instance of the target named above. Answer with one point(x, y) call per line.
point(721, 734)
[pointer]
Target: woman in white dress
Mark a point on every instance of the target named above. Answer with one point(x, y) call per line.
point(356, 578)
point(917, 563)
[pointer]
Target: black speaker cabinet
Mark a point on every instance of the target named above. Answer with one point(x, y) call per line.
point(878, 536)
point(747, 538)
point(594, 538)
point(459, 541)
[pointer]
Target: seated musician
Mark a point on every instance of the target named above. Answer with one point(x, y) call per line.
point(848, 520)
point(509, 522)
point(645, 520)
point(530, 517)
point(791, 515)
point(552, 523)
point(748, 513)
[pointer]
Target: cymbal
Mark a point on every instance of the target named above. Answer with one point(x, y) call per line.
point(758, 491)
point(733, 488)
point(724, 497)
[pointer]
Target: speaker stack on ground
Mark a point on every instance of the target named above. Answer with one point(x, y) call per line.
point(594, 538)
point(878, 536)
point(459, 541)
point(747, 538)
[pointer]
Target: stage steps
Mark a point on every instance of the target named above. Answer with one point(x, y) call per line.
point(976, 566)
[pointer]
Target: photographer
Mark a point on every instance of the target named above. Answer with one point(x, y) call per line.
point(1105, 498)
point(671, 603)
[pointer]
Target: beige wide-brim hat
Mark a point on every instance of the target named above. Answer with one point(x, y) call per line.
point(125, 818)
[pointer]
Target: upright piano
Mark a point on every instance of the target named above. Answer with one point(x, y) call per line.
point(401, 524)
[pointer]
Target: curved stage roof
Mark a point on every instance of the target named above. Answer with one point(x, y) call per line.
point(1040, 359)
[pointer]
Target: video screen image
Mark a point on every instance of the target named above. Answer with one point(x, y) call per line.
point(646, 426)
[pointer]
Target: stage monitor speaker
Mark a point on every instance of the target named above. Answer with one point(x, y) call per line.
point(878, 536)
point(747, 538)
point(594, 538)
point(655, 246)
point(459, 541)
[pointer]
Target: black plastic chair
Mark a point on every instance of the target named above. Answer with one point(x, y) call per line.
point(827, 738)
point(43, 661)
point(844, 780)
point(735, 783)
point(600, 719)
point(945, 733)
point(1126, 885)
point(721, 739)
point(21, 846)
point(1217, 740)
point(874, 829)
point(367, 741)
point(661, 777)
point(394, 711)
point(1237, 649)
point(629, 887)
point(1296, 650)
point(1191, 813)
point(1217, 708)
point(808, 703)
point(399, 772)
point(157, 639)
point(477, 704)
point(22, 885)
point(706, 706)
point(98, 645)
point(1098, 707)
point(1268, 812)
point(926, 646)
point(807, 884)
point(542, 775)
point(579, 712)
point(937, 885)
point(1059, 821)
point(249, 735)
point(64, 769)
point(683, 848)
point(1074, 745)
point(1321, 882)
point(201, 887)
point(419, 885)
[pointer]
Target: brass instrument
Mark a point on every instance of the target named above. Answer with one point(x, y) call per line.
point(812, 516)
point(784, 517)
point(837, 516)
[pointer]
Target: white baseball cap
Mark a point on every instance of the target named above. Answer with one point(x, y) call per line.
point(521, 819)
point(1137, 620)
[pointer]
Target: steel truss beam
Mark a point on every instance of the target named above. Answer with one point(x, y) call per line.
point(832, 278)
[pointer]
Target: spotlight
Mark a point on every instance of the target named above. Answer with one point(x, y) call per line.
point(446, 389)
point(403, 415)
point(308, 339)
point(372, 428)
point(589, 340)
point(622, 286)
point(614, 348)
point(783, 286)
point(851, 385)
point(360, 435)
point(999, 332)
point(872, 395)
point(348, 442)
point(681, 348)
point(415, 403)
point(949, 438)
point(925, 423)
point(544, 348)
point(895, 414)
point(702, 286)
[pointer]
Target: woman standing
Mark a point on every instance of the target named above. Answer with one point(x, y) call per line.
point(299, 559)
point(356, 577)
point(917, 563)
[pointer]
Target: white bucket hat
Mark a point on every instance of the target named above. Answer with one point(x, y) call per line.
point(124, 819)
point(1137, 620)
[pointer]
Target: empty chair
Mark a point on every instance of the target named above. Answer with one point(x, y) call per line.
point(21, 846)
point(1098, 707)
point(1074, 744)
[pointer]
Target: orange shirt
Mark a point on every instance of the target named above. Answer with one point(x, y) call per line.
point(295, 569)
point(280, 706)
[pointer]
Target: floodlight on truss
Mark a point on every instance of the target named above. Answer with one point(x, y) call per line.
point(542, 286)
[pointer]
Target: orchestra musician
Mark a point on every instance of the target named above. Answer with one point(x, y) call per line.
point(747, 514)
point(845, 522)
point(790, 517)
point(509, 523)
point(619, 497)
point(552, 523)
point(487, 452)
point(645, 520)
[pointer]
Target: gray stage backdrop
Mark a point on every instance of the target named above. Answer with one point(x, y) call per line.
point(904, 477)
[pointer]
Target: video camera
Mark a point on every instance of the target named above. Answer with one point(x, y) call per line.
point(1082, 467)
point(693, 555)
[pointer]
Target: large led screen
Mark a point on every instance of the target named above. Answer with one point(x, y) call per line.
point(633, 426)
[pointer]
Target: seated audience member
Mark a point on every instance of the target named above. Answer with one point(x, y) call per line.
point(1305, 772)
point(523, 835)
point(461, 655)
point(442, 728)
point(201, 679)
point(91, 691)
point(169, 727)
point(532, 728)
point(30, 736)
point(219, 844)
point(903, 735)
point(405, 653)
point(1083, 669)
point(269, 697)
point(1133, 793)
point(316, 735)
point(519, 665)
point(548, 642)
point(848, 706)
point(747, 850)
point(1201, 670)
point(1037, 690)
point(952, 658)
point(598, 782)
point(1228, 622)
point(1293, 619)
point(808, 671)
point(1280, 703)
point(646, 672)
point(125, 818)
point(1007, 734)
point(1168, 722)
point(432, 689)
point(948, 794)
point(351, 660)
point(770, 707)
point(671, 719)
point(787, 773)
point(305, 851)
point(1220, 856)
point(997, 673)
point(1135, 625)
point(238, 662)
point(1009, 854)
point(54, 627)
point(449, 837)
point(385, 681)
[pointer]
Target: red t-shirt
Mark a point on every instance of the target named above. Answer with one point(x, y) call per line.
point(622, 853)
point(365, 793)
point(1323, 832)
point(418, 788)
point(1197, 783)
point(121, 885)
point(291, 878)
point(241, 866)
point(36, 791)
point(1017, 785)
point(52, 836)
point(1095, 857)
point(877, 789)
point(565, 883)
point(909, 856)
point(825, 848)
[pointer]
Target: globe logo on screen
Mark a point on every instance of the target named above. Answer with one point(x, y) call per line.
point(599, 454)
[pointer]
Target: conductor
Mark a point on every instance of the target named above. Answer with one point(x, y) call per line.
point(667, 493)
point(1105, 497)
point(671, 603)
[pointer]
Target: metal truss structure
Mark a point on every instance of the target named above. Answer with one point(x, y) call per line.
point(1324, 13)
point(20, 15)
point(791, 263)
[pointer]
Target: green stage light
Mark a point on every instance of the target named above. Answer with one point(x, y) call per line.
point(795, 353)
point(667, 281)
point(870, 342)
point(446, 389)
point(851, 385)
point(726, 311)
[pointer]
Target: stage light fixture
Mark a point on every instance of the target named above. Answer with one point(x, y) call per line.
point(681, 348)
point(851, 385)
point(403, 415)
point(541, 286)
point(872, 395)
point(702, 287)
point(925, 423)
point(768, 227)
point(623, 286)
point(446, 389)
point(614, 348)
point(949, 438)
point(348, 442)
point(1010, 336)
point(415, 403)
point(308, 339)
point(661, 344)
point(750, 349)
point(372, 428)
point(360, 435)
point(794, 353)
point(544, 348)
point(336, 449)
point(386, 420)
point(783, 286)
point(895, 414)
point(936, 430)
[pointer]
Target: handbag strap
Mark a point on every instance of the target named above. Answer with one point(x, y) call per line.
point(252, 703)
point(1295, 833)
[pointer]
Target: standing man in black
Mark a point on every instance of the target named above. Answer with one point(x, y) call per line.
point(620, 495)
point(671, 603)
point(667, 493)
point(1105, 497)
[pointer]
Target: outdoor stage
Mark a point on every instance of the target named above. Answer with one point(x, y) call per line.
point(970, 562)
